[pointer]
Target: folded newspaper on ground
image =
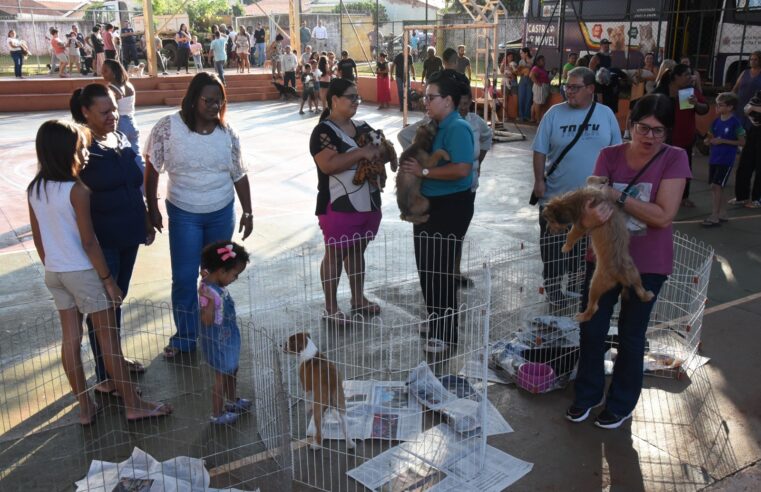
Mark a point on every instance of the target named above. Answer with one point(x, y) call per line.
point(375, 410)
point(462, 408)
point(434, 461)
point(178, 474)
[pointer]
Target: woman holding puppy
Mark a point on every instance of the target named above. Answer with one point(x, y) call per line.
point(447, 187)
point(349, 214)
point(646, 178)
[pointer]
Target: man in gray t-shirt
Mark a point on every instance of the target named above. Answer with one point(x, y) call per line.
point(556, 130)
point(463, 62)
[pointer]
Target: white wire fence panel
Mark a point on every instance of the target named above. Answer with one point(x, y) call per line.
point(41, 421)
point(533, 329)
point(377, 351)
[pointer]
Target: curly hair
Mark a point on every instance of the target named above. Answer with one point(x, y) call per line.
point(212, 259)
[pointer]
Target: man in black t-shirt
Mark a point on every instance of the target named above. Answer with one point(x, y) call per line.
point(129, 44)
point(259, 41)
point(398, 72)
point(347, 67)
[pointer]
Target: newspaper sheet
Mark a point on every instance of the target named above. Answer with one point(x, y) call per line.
point(462, 410)
point(174, 475)
point(375, 410)
point(439, 461)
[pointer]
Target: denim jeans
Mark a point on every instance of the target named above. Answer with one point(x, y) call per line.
point(188, 234)
point(400, 91)
point(525, 98)
point(127, 126)
point(626, 386)
point(260, 51)
point(121, 262)
point(18, 61)
point(220, 66)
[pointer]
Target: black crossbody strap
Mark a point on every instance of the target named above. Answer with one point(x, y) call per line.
point(573, 142)
point(641, 171)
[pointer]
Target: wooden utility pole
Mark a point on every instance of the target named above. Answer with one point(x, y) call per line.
point(150, 39)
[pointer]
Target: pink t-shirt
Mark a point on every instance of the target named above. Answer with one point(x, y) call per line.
point(652, 248)
point(58, 46)
point(542, 77)
point(108, 40)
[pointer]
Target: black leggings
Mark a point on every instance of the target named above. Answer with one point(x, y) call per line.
point(183, 54)
point(437, 246)
point(750, 162)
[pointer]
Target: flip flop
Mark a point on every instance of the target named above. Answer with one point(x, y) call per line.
point(711, 223)
point(115, 392)
point(161, 410)
point(134, 366)
point(370, 309)
point(337, 319)
point(98, 409)
point(723, 219)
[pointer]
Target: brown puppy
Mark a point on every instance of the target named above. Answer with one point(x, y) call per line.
point(412, 204)
point(320, 378)
point(610, 242)
point(375, 172)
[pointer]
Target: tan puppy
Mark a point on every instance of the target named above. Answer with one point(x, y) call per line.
point(136, 71)
point(610, 242)
point(412, 204)
point(320, 378)
point(375, 172)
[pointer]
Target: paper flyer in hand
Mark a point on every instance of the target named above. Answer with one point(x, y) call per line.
point(684, 96)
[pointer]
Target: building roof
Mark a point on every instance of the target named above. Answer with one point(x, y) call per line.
point(274, 7)
point(27, 7)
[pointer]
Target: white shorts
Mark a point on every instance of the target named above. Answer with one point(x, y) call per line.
point(83, 290)
point(62, 57)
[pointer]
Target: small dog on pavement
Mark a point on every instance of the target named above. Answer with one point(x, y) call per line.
point(610, 242)
point(320, 378)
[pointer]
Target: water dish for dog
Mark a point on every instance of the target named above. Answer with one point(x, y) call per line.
point(535, 377)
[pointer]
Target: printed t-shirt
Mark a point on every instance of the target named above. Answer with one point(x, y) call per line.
point(456, 137)
point(346, 67)
point(556, 130)
point(729, 129)
point(651, 248)
point(338, 190)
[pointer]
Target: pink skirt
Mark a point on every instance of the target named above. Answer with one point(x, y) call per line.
point(343, 229)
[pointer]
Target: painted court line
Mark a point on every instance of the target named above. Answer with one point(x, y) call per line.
point(730, 304)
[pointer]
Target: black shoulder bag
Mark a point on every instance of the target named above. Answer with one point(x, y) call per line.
point(534, 199)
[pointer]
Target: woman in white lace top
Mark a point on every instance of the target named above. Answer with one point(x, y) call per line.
point(201, 155)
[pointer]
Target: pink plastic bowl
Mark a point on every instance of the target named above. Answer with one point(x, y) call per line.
point(535, 377)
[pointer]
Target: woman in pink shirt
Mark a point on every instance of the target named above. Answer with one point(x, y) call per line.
point(647, 177)
point(540, 89)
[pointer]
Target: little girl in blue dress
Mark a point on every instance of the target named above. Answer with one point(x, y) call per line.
point(221, 263)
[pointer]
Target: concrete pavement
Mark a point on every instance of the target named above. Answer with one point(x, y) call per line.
point(686, 434)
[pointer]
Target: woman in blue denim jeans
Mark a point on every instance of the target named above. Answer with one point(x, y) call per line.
point(200, 152)
point(116, 203)
point(653, 174)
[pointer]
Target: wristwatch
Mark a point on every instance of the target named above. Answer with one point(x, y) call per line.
point(425, 172)
point(248, 215)
point(621, 199)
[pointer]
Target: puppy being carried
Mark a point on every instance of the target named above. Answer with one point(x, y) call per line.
point(375, 172)
point(412, 204)
point(610, 242)
point(320, 378)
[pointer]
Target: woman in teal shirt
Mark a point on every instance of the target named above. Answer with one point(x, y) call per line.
point(447, 187)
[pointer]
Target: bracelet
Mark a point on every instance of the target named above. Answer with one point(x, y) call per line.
point(248, 215)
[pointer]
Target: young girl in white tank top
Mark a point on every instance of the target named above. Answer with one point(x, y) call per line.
point(76, 272)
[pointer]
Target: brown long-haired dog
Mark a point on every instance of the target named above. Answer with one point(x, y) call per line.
point(412, 204)
point(320, 378)
point(375, 172)
point(610, 242)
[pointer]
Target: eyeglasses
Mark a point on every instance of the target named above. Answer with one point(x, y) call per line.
point(353, 98)
point(431, 97)
point(575, 87)
point(212, 102)
point(656, 131)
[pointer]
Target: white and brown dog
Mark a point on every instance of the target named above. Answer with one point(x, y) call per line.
point(320, 378)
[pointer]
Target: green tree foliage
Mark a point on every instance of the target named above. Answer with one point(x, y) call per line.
point(364, 7)
point(201, 13)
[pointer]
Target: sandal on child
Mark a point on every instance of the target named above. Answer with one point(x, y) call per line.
point(241, 405)
point(134, 366)
point(711, 222)
point(171, 352)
